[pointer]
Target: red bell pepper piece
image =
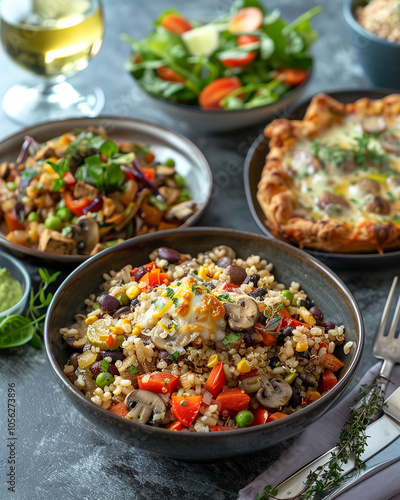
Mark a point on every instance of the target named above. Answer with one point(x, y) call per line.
point(289, 321)
point(216, 380)
point(110, 341)
point(329, 380)
point(218, 428)
point(233, 399)
point(267, 338)
point(76, 206)
point(12, 221)
point(157, 381)
point(260, 416)
point(154, 277)
point(185, 408)
point(175, 426)
point(276, 416)
point(69, 178)
point(251, 373)
point(149, 173)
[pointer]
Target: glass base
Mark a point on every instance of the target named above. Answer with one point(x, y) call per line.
point(33, 103)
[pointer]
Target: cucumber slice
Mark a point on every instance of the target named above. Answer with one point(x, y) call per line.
point(201, 41)
point(98, 333)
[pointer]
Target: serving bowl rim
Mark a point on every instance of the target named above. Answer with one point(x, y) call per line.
point(318, 266)
point(77, 259)
point(348, 13)
point(27, 283)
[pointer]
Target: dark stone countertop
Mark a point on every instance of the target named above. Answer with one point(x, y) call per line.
point(59, 455)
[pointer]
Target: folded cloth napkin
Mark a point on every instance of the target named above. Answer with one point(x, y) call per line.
point(383, 485)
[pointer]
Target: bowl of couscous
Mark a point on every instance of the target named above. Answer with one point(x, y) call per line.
point(166, 341)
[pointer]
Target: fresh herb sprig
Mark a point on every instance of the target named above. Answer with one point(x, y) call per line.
point(16, 330)
point(352, 441)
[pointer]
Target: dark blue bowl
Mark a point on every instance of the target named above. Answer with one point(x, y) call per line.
point(379, 58)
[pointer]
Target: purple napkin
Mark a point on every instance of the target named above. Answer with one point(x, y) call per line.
point(384, 485)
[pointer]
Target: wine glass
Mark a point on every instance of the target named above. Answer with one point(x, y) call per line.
point(53, 39)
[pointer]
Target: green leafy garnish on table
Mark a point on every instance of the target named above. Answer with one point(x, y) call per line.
point(352, 440)
point(17, 329)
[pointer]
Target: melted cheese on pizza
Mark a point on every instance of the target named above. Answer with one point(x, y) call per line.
point(347, 174)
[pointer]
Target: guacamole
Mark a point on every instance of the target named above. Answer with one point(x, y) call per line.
point(10, 290)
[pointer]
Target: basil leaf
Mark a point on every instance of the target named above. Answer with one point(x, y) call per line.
point(267, 47)
point(15, 330)
point(109, 148)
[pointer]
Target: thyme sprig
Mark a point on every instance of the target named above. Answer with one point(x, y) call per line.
point(352, 441)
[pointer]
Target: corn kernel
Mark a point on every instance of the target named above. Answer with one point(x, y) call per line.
point(136, 330)
point(217, 274)
point(300, 347)
point(307, 316)
point(126, 322)
point(132, 292)
point(91, 319)
point(48, 169)
point(212, 361)
point(243, 366)
point(202, 272)
point(117, 330)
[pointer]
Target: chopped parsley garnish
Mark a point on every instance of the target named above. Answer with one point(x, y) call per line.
point(60, 169)
point(179, 283)
point(225, 297)
point(269, 313)
point(158, 304)
point(175, 301)
point(390, 195)
point(170, 292)
point(232, 337)
point(133, 369)
point(174, 356)
point(396, 218)
point(104, 365)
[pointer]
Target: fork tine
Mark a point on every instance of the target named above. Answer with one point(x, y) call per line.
point(395, 320)
point(385, 314)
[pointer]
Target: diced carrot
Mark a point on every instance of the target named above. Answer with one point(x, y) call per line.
point(150, 215)
point(119, 409)
point(330, 361)
point(276, 416)
point(267, 338)
point(329, 380)
point(311, 396)
point(166, 225)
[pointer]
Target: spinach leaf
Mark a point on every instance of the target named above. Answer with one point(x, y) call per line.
point(15, 330)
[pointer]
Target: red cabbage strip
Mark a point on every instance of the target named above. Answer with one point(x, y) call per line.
point(28, 142)
point(141, 179)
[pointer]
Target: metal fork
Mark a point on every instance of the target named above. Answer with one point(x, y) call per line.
point(386, 347)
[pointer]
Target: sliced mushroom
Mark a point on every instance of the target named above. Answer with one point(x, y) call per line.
point(164, 171)
point(378, 205)
point(182, 211)
point(172, 343)
point(374, 124)
point(333, 204)
point(391, 143)
point(5, 169)
point(79, 339)
point(274, 393)
point(145, 407)
point(86, 234)
point(251, 384)
point(243, 315)
point(369, 186)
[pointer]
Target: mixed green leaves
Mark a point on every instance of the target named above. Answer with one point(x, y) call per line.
point(281, 45)
point(16, 330)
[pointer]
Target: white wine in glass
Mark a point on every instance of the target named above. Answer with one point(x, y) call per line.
point(53, 39)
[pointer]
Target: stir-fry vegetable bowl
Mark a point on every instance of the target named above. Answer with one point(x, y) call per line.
point(248, 59)
point(70, 189)
point(149, 429)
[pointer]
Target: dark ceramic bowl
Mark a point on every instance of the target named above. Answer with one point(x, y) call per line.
point(291, 264)
point(220, 121)
point(378, 57)
point(164, 143)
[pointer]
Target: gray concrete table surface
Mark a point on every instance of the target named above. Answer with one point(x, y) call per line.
point(59, 454)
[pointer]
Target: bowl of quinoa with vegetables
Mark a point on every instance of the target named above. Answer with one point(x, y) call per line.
point(203, 343)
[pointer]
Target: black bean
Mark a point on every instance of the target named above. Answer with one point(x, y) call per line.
point(316, 312)
point(140, 272)
point(306, 303)
point(258, 293)
point(236, 274)
point(113, 369)
point(329, 325)
point(296, 399)
point(304, 354)
point(253, 278)
point(249, 340)
point(74, 360)
point(122, 310)
point(95, 368)
point(114, 355)
point(135, 302)
point(107, 302)
point(284, 333)
point(274, 362)
point(224, 262)
point(262, 318)
point(168, 254)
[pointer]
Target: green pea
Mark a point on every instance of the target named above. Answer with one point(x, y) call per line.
point(12, 186)
point(33, 217)
point(123, 300)
point(65, 214)
point(53, 222)
point(291, 377)
point(103, 379)
point(169, 162)
point(288, 295)
point(184, 196)
point(244, 418)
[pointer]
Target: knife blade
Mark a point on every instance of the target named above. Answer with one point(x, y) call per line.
point(380, 434)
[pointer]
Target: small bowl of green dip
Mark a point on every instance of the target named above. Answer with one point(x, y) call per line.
point(15, 286)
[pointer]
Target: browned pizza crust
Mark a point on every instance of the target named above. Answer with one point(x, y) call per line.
point(278, 201)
